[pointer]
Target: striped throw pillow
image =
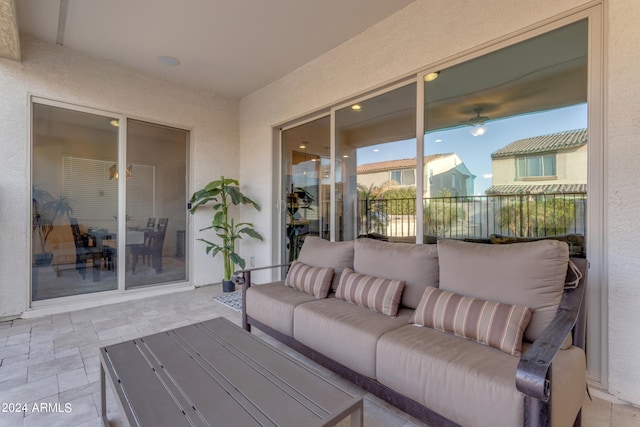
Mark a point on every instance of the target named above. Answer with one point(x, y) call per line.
point(491, 323)
point(374, 293)
point(314, 281)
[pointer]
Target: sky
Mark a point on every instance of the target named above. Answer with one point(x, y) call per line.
point(475, 151)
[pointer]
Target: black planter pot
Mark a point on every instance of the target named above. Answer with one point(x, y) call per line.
point(228, 286)
point(42, 259)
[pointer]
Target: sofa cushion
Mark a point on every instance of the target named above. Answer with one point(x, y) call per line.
point(468, 383)
point(318, 252)
point(374, 293)
point(491, 323)
point(345, 332)
point(273, 304)
point(416, 265)
point(530, 274)
point(314, 281)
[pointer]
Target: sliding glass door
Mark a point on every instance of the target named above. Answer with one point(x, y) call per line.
point(74, 203)
point(306, 183)
point(78, 210)
point(376, 166)
point(506, 142)
point(155, 209)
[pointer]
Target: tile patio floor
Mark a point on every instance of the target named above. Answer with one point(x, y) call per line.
point(54, 359)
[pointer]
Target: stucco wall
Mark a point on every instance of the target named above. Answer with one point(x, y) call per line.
point(623, 198)
point(63, 74)
point(429, 31)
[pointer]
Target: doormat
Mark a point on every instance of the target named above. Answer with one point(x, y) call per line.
point(232, 300)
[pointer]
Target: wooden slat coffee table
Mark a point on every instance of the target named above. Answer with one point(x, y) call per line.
point(216, 374)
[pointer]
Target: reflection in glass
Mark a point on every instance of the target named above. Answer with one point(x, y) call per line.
point(506, 141)
point(74, 202)
point(156, 209)
point(376, 167)
point(306, 183)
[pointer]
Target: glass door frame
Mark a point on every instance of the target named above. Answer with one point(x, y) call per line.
point(121, 211)
point(597, 289)
point(279, 224)
point(347, 104)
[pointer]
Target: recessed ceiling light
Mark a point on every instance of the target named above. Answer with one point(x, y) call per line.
point(431, 76)
point(438, 140)
point(375, 150)
point(356, 107)
point(114, 122)
point(346, 156)
point(169, 60)
point(303, 146)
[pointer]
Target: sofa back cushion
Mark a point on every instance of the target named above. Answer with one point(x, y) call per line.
point(488, 322)
point(314, 281)
point(529, 274)
point(374, 293)
point(318, 252)
point(416, 265)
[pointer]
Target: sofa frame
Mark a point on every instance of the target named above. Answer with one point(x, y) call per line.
point(533, 375)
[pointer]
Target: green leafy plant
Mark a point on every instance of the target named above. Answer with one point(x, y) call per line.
point(538, 215)
point(45, 210)
point(223, 193)
point(442, 214)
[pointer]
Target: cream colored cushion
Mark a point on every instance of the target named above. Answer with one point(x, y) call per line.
point(314, 281)
point(273, 304)
point(374, 293)
point(416, 265)
point(318, 252)
point(530, 274)
point(491, 323)
point(568, 385)
point(470, 384)
point(345, 332)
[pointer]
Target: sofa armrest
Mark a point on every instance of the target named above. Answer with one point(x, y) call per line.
point(243, 277)
point(532, 375)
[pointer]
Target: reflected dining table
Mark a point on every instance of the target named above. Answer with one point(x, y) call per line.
point(107, 241)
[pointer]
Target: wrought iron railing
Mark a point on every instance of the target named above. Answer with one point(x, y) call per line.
point(477, 217)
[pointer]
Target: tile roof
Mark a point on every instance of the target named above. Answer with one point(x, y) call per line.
point(396, 164)
point(540, 144)
point(537, 189)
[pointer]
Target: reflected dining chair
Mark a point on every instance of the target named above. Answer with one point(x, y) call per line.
point(85, 252)
point(152, 247)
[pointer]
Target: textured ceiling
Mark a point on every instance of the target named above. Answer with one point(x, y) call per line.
point(233, 47)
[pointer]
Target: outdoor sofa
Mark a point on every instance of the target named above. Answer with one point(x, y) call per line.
point(340, 306)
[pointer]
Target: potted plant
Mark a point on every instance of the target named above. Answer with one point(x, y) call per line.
point(223, 193)
point(46, 209)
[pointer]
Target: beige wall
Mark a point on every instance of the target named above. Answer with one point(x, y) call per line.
point(62, 74)
point(426, 32)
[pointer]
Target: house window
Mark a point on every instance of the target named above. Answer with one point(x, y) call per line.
point(536, 166)
point(403, 177)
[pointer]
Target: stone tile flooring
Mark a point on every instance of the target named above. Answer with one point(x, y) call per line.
point(51, 363)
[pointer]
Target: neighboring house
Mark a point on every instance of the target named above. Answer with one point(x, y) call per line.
point(552, 163)
point(444, 173)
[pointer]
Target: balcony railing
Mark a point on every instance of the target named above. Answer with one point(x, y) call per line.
point(477, 217)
